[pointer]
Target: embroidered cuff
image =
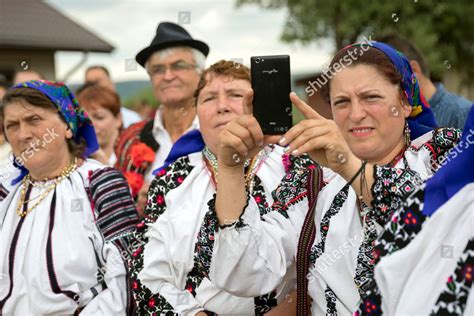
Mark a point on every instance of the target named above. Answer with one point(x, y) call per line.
point(237, 223)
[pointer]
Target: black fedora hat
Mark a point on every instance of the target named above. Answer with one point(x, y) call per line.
point(168, 35)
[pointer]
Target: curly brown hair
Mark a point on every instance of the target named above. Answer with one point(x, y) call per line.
point(222, 68)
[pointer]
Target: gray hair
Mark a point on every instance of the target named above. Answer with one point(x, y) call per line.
point(198, 56)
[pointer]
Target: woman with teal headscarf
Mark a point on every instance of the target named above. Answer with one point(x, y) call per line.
point(381, 144)
point(64, 218)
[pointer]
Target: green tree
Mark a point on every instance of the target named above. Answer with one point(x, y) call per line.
point(442, 29)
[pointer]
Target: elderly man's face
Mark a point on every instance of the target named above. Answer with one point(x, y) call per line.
point(177, 83)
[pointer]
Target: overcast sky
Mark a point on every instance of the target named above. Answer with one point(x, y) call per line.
point(231, 33)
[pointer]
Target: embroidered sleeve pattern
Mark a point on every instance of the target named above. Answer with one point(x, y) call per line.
point(391, 186)
point(148, 303)
point(291, 190)
point(3, 192)
point(453, 300)
point(113, 204)
point(205, 246)
point(443, 140)
point(403, 226)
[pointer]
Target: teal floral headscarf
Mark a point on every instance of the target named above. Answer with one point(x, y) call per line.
point(68, 107)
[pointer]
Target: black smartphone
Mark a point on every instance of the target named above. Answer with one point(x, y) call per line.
point(271, 83)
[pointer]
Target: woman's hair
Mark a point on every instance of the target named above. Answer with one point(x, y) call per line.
point(36, 98)
point(93, 96)
point(364, 55)
point(222, 68)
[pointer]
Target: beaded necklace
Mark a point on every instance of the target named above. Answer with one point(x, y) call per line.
point(251, 166)
point(49, 183)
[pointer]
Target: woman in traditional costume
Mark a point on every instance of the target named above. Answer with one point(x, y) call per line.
point(170, 272)
point(64, 219)
point(424, 260)
point(381, 144)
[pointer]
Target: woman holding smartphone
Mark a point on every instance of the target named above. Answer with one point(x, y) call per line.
point(381, 144)
point(170, 266)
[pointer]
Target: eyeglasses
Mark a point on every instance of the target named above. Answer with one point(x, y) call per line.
point(179, 66)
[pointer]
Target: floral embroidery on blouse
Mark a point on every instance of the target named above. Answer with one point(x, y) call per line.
point(291, 191)
point(318, 249)
point(330, 302)
point(406, 222)
point(403, 226)
point(168, 179)
point(452, 301)
point(205, 246)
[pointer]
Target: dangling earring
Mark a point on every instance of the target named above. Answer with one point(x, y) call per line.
point(406, 134)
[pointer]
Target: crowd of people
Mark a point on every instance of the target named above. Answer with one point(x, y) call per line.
point(194, 211)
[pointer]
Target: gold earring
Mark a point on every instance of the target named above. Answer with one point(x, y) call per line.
point(406, 134)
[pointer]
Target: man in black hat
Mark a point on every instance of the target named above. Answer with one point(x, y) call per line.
point(174, 61)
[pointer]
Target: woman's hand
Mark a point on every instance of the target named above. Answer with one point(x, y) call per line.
point(324, 143)
point(321, 139)
point(242, 137)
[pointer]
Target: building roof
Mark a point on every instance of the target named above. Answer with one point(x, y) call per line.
point(32, 24)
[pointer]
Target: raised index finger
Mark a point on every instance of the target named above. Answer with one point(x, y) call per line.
point(247, 102)
point(307, 111)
